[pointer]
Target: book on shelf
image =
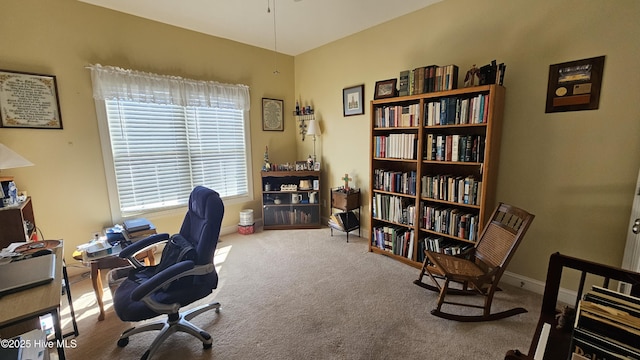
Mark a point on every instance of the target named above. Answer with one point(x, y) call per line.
point(403, 85)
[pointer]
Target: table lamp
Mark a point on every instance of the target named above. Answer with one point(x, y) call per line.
point(9, 159)
point(314, 129)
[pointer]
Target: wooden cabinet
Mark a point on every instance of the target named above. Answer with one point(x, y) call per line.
point(290, 199)
point(434, 164)
point(17, 223)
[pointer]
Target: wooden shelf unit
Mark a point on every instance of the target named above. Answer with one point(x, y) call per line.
point(480, 168)
point(17, 223)
point(287, 214)
point(347, 202)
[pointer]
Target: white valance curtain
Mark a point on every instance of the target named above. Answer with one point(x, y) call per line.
point(113, 83)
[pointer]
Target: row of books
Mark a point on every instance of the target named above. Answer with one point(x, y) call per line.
point(397, 116)
point(455, 111)
point(289, 217)
point(464, 148)
point(427, 79)
point(393, 208)
point(441, 245)
point(137, 229)
point(396, 146)
point(449, 221)
point(395, 181)
point(394, 239)
point(457, 189)
point(344, 221)
point(607, 326)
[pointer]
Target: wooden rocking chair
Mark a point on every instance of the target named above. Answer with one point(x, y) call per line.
point(479, 272)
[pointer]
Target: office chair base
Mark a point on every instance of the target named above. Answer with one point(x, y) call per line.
point(180, 323)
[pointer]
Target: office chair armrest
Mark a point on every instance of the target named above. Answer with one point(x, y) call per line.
point(164, 277)
point(131, 250)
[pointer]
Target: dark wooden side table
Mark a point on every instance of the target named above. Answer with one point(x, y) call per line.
point(347, 201)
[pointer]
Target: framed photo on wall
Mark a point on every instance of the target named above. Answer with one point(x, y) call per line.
point(385, 89)
point(29, 100)
point(353, 100)
point(272, 114)
point(575, 85)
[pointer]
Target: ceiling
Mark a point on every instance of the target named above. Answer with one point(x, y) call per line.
point(300, 25)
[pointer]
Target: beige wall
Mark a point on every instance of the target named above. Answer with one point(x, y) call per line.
point(67, 183)
point(576, 170)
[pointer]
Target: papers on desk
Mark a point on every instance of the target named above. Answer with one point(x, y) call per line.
point(95, 249)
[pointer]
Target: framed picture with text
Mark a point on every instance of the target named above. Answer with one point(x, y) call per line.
point(272, 114)
point(353, 100)
point(29, 100)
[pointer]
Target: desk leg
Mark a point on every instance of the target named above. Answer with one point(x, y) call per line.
point(58, 333)
point(96, 280)
point(150, 259)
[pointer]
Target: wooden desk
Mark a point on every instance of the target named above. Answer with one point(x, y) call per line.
point(110, 262)
point(35, 302)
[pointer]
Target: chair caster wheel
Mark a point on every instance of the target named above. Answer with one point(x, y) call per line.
point(207, 346)
point(123, 342)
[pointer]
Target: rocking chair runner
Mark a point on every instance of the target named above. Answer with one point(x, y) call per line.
point(479, 273)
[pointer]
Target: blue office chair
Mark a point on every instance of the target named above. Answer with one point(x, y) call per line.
point(164, 289)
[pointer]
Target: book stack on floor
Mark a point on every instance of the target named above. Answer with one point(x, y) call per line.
point(137, 229)
point(607, 326)
point(344, 221)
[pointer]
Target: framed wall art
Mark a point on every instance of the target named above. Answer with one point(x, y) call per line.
point(575, 85)
point(385, 89)
point(272, 114)
point(353, 100)
point(29, 100)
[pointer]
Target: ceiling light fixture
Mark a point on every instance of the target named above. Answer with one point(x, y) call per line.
point(275, 38)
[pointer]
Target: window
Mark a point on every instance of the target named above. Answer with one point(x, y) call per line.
point(162, 144)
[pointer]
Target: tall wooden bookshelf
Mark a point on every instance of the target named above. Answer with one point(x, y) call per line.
point(433, 171)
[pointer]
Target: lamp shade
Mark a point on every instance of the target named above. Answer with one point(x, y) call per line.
point(10, 159)
point(313, 128)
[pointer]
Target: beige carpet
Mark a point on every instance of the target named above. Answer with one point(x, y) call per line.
point(302, 294)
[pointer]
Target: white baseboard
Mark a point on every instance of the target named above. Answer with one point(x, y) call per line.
point(564, 295)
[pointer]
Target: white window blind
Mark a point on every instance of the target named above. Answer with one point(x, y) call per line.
point(161, 151)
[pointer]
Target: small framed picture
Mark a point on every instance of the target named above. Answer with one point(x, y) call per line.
point(272, 114)
point(353, 100)
point(316, 184)
point(301, 165)
point(574, 85)
point(316, 166)
point(385, 89)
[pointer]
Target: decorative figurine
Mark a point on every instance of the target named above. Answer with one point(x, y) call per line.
point(310, 163)
point(346, 179)
point(473, 77)
point(267, 165)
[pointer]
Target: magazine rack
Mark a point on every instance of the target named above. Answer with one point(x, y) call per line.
point(557, 344)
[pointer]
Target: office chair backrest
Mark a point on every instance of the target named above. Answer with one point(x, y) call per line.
point(502, 235)
point(202, 222)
